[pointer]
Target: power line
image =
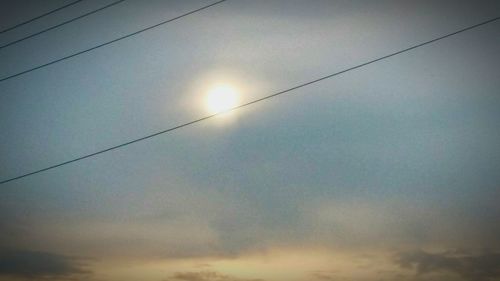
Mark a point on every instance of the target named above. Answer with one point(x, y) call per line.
point(61, 24)
point(40, 16)
point(110, 42)
point(251, 102)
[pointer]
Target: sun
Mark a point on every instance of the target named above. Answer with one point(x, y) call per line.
point(221, 98)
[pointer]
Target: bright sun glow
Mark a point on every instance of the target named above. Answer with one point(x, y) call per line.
point(221, 98)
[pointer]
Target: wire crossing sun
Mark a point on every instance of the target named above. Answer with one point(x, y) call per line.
point(221, 98)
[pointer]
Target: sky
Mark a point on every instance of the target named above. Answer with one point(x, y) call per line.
point(387, 172)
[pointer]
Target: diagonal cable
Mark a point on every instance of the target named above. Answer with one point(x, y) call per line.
point(60, 24)
point(40, 16)
point(109, 42)
point(251, 102)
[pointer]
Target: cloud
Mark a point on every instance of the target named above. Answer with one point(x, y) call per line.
point(39, 265)
point(470, 267)
point(323, 275)
point(205, 276)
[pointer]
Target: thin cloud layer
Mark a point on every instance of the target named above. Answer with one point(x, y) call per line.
point(205, 276)
point(39, 265)
point(471, 267)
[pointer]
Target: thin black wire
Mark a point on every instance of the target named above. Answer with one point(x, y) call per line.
point(40, 16)
point(110, 42)
point(252, 102)
point(61, 24)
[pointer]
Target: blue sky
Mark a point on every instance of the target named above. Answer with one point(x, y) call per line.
point(386, 172)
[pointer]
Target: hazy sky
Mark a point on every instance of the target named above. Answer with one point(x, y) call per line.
point(388, 172)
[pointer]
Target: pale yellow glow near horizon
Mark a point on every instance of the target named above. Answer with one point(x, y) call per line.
point(274, 264)
point(221, 98)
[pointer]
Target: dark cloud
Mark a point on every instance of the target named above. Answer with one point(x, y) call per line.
point(471, 267)
point(39, 265)
point(323, 275)
point(205, 276)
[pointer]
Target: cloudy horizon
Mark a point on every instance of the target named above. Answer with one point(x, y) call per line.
point(386, 172)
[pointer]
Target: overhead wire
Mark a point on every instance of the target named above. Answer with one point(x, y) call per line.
point(60, 24)
point(252, 102)
point(111, 42)
point(40, 16)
